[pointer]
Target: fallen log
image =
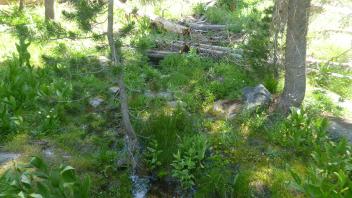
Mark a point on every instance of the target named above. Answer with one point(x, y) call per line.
point(159, 54)
point(212, 50)
point(170, 26)
point(207, 27)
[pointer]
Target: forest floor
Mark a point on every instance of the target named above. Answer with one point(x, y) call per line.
point(66, 110)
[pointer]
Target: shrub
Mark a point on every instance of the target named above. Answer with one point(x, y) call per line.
point(271, 83)
point(228, 80)
point(36, 180)
point(199, 9)
point(301, 132)
point(151, 155)
point(187, 159)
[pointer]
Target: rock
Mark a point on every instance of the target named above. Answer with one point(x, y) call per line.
point(95, 102)
point(53, 153)
point(228, 108)
point(255, 97)
point(114, 90)
point(340, 129)
point(165, 95)
point(103, 61)
point(6, 157)
point(49, 153)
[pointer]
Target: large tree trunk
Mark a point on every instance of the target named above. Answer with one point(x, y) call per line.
point(49, 9)
point(295, 55)
point(131, 138)
point(21, 6)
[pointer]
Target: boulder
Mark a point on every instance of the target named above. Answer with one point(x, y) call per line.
point(255, 97)
point(95, 102)
point(103, 61)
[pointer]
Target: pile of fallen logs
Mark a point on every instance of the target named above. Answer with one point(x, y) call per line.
point(211, 40)
point(165, 47)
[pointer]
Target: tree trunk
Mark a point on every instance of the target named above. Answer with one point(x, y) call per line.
point(295, 55)
point(49, 9)
point(21, 5)
point(131, 138)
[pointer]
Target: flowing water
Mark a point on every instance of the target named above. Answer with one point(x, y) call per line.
point(140, 186)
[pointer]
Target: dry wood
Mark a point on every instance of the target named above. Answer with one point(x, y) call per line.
point(158, 54)
point(170, 26)
point(207, 27)
point(204, 49)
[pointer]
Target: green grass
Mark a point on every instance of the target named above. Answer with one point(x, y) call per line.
point(340, 85)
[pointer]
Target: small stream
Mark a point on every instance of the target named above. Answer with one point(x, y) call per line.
point(140, 186)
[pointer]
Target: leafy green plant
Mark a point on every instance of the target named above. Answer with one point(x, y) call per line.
point(199, 9)
point(151, 155)
point(188, 159)
point(329, 173)
point(37, 180)
point(271, 83)
point(182, 169)
point(22, 46)
point(301, 131)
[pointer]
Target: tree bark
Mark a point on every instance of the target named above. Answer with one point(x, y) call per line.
point(49, 9)
point(21, 6)
point(295, 55)
point(131, 138)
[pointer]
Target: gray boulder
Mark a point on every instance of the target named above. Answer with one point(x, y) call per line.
point(255, 97)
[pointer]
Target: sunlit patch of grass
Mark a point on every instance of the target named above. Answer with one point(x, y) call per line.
point(279, 184)
point(83, 163)
point(218, 126)
point(7, 45)
point(326, 50)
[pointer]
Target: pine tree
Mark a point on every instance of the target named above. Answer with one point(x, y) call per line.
point(85, 14)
